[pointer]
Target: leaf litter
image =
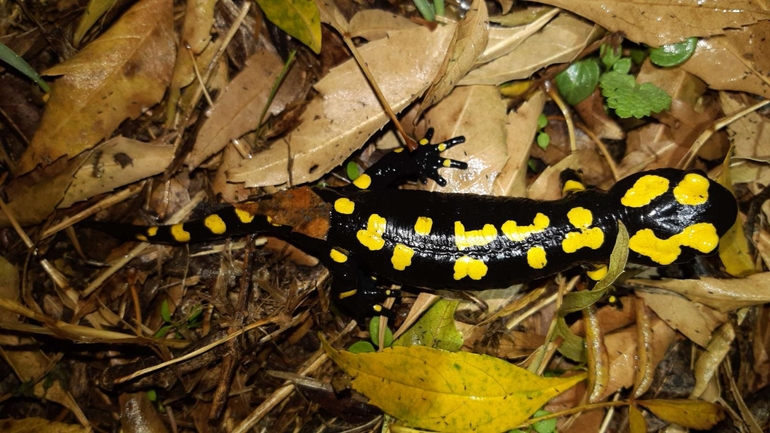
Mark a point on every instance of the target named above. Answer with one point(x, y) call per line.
point(123, 115)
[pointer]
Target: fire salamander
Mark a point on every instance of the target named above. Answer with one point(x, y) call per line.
point(464, 241)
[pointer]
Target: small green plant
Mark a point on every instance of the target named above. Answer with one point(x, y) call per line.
point(430, 11)
point(543, 139)
point(364, 346)
point(545, 426)
point(620, 89)
point(192, 321)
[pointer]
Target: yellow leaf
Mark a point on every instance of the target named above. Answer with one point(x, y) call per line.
point(298, 18)
point(695, 414)
point(94, 11)
point(444, 391)
point(117, 76)
point(636, 421)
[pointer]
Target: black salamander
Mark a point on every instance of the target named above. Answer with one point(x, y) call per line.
point(465, 241)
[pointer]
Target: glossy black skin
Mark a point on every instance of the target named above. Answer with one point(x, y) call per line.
point(357, 293)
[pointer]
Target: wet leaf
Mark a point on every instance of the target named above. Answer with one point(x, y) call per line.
point(436, 329)
point(577, 82)
point(444, 391)
point(636, 422)
point(115, 77)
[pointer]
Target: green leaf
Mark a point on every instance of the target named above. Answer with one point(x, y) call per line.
point(673, 54)
point(577, 82)
point(352, 170)
point(449, 391)
point(543, 140)
point(163, 331)
point(425, 9)
point(15, 61)
point(609, 55)
point(622, 65)
point(361, 347)
point(165, 311)
point(436, 328)
point(298, 18)
point(630, 99)
point(573, 347)
point(374, 332)
point(545, 426)
point(542, 121)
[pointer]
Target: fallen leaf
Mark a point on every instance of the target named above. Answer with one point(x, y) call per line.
point(478, 113)
point(695, 321)
point(657, 23)
point(739, 60)
point(700, 415)
point(298, 18)
point(468, 42)
point(40, 425)
point(92, 13)
point(445, 391)
point(721, 294)
point(559, 41)
point(118, 162)
point(707, 364)
point(239, 106)
point(373, 24)
point(118, 76)
point(346, 113)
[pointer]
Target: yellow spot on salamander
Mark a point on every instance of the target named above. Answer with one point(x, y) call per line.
point(243, 216)
point(446, 163)
point(517, 234)
point(215, 224)
point(423, 226)
point(474, 238)
point(423, 141)
point(338, 256)
point(702, 237)
point(179, 233)
point(469, 267)
point(590, 237)
point(441, 147)
point(344, 206)
point(270, 221)
point(142, 238)
point(398, 150)
point(371, 237)
point(152, 231)
point(363, 181)
point(571, 186)
point(347, 294)
point(402, 257)
point(536, 257)
point(597, 273)
point(692, 190)
point(645, 189)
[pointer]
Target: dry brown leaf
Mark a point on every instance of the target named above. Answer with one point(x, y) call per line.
point(34, 196)
point(346, 113)
point(520, 129)
point(468, 42)
point(503, 40)
point(41, 425)
point(596, 356)
point(720, 294)
point(373, 24)
point(696, 321)
point(115, 77)
point(237, 109)
point(657, 23)
point(478, 113)
point(739, 60)
point(750, 136)
point(116, 163)
point(708, 362)
point(648, 147)
point(194, 40)
point(559, 41)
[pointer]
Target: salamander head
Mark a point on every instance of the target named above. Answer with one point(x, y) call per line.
point(673, 215)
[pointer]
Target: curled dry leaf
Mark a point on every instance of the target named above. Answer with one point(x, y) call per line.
point(708, 362)
point(116, 77)
point(657, 23)
point(559, 41)
point(720, 294)
point(468, 42)
point(503, 40)
point(346, 112)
